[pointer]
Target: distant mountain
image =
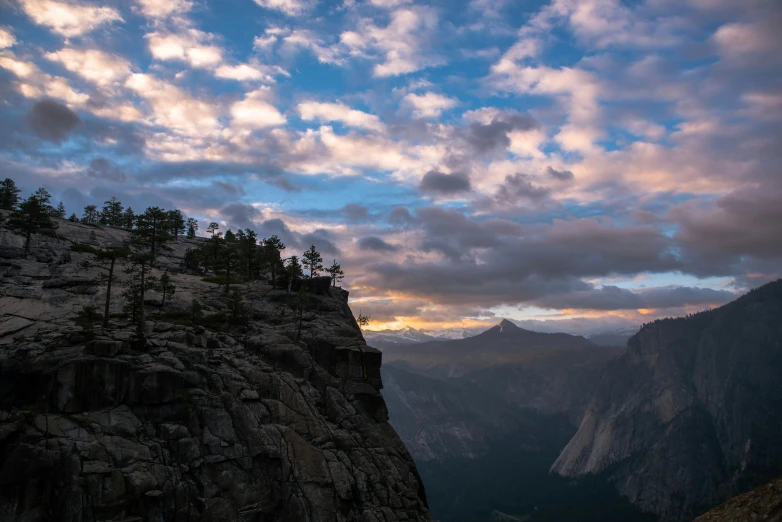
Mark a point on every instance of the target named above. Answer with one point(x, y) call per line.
point(691, 413)
point(504, 343)
point(408, 335)
point(449, 398)
point(486, 416)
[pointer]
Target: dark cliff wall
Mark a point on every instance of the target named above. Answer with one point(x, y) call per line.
point(221, 423)
point(691, 414)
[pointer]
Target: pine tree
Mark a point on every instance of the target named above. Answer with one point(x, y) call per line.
point(152, 231)
point(192, 228)
point(60, 211)
point(336, 273)
point(112, 213)
point(128, 218)
point(9, 194)
point(176, 222)
point(106, 259)
point(229, 257)
point(165, 287)
point(136, 287)
point(45, 198)
point(212, 228)
point(250, 253)
point(31, 216)
point(293, 271)
point(272, 249)
point(74, 218)
point(312, 261)
point(90, 215)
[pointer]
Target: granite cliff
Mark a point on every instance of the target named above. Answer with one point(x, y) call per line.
point(691, 413)
point(210, 421)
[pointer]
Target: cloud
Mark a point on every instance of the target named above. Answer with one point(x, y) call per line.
point(69, 19)
point(289, 7)
point(429, 105)
point(160, 9)
point(403, 46)
point(354, 212)
point(52, 121)
point(519, 187)
point(104, 169)
point(6, 38)
point(493, 129)
point(189, 45)
point(241, 73)
point(310, 111)
point(375, 244)
point(560, 175)
point(93, 65)
point(446, 184)
point(173, 107)
point(306, 39)
point(254, 112)
point(402, 217)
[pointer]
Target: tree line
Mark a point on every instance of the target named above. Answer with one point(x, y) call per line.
point(231, 257)
point(241, 255)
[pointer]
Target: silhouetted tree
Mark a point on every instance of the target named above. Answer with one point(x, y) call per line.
point(272, 249)
point(9, 194)
point(312, 261)
point(128, 218)
point(112, 213)
point(362, 320)
point(293, 270)
point(136, 286)
point(90, 215)
point(336, 273)
point(213, 228)
point(59, 212)
point(192, 228)
point(46, 199)
point(165, 287)
point(151, 231)
point(74, 218)
point(31, 217)
point(176, 222)
point(106, 260)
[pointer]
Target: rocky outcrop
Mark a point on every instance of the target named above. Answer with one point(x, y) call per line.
point(691, 414)
point(763, 504)
point(242, 422)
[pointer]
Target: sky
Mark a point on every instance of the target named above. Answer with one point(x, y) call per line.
point(598, 163)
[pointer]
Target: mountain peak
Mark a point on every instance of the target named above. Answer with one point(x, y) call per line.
point(507, 325)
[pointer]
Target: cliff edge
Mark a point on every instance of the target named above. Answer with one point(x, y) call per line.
point(209, 421)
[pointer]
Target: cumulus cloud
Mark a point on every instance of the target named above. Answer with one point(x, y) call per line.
point(52, 121)
point(255, 112)
point(400, 46)
point(69, 19)
point(446, 184)
point(493, 129)
point(375, 244)
point(560, 175)
point(93, 65)
point(328, 112)
point(103, 168)
point(429, 105)
point(6, 38)
point(289, 7)
point(160, 9)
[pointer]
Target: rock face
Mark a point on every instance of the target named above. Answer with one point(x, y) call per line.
point(205, 423)
point(691, 414)
point(763, 504)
